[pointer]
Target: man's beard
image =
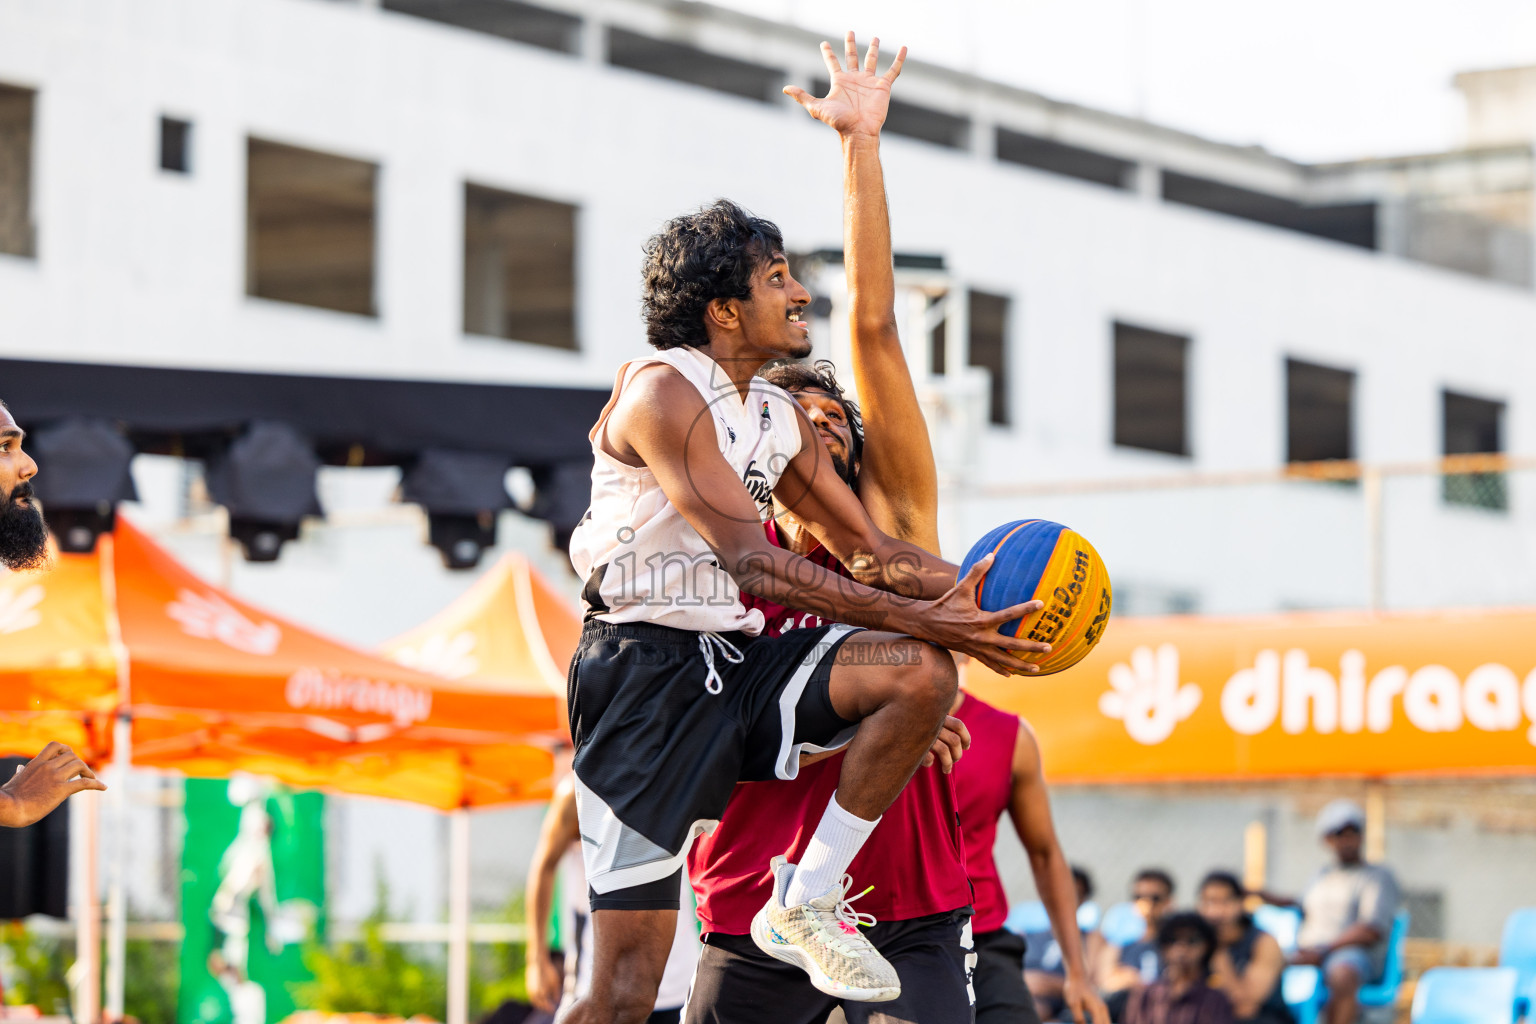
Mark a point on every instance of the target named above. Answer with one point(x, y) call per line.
point(840, 465)
point(23, 533)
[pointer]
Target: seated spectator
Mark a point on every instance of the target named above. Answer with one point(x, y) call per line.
point(1347, 913)
point(1044, 971)
point(1248, 960)
point(1186, 943)
point(1121, 970)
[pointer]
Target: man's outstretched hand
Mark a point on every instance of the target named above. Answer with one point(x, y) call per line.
point(43, 783)
point(858, 100)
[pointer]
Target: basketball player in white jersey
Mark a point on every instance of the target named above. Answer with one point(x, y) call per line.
point(674, 695)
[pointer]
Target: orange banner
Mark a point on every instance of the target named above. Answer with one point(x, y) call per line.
point(1341, 694)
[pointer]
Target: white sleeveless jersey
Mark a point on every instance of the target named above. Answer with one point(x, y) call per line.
point(641, 560)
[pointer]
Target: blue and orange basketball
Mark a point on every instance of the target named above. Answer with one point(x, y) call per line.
point(1041, 560)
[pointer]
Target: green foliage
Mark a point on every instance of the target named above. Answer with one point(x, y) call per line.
point(497, 970)
point(35, 966)
point(152, 981)
point(374, 976)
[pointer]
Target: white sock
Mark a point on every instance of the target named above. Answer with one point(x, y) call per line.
point(837, 841)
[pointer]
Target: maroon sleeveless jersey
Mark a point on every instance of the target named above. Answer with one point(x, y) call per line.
point(915, 858)
point(984, 780)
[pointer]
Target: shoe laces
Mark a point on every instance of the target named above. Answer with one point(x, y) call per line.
point(840, 922)
point(709, 643)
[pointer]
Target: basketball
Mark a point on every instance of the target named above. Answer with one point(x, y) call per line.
point(1040, 560)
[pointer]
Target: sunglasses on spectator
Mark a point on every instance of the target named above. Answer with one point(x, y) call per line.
point(1185, 940)
point(1150, 897)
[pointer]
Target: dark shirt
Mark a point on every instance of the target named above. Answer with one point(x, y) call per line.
point(1273, 1010)
point(1144, 957)
point(1156, 1004)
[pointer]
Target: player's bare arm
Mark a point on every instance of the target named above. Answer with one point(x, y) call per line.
point(44, 783)
point(653, 423)
point(556, 835)
point(898, 482)
point(1030, 809)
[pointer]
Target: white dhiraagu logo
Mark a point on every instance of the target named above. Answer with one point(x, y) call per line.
point(326, 690)
point(1304, 697)
point(450, 656)
point(18, 610)
point(1146, 694)
point(210, 617)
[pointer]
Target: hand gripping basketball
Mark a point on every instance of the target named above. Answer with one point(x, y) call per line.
point(957, 622)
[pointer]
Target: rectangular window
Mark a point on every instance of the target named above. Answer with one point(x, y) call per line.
point(519, 267)
point(175, 145)
point(311, 224)
point(508, 19)
point(989, 347)
point(1151, 390)
point(1350, 223)
point(1319, 412)
point(1473, 426)
point(1058, 158)
point(18, 234)
point(683, 63)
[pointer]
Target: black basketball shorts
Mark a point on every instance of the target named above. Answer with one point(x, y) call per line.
point(666, 722)
point(736, 982)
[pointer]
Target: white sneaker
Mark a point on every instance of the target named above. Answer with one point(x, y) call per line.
point(822, 938)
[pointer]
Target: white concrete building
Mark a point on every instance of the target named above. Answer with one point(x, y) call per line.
point(458, 191)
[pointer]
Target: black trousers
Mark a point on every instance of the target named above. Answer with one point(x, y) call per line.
point(1001, 995)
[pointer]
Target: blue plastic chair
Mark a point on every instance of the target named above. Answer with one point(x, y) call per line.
point(1284, 923)
point(1305, 991)
point(1465, 995)
point(1028, 918)
point(1121, 925)
point(1088, 917)
point(1518, 950)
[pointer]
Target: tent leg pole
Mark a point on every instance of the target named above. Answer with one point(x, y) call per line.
point(458, 917)
point(117, 892)
point(85, 837)
point(1375, 821)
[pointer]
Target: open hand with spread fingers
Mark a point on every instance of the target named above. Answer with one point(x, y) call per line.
point(43, 783)
point(955, 621)
point(858, 99)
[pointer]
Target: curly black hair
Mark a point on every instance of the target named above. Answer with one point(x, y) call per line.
point(699, 257)
point(822, 376)
point(1187, 923)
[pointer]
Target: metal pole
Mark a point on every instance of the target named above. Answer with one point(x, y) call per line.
point(1370, 489)
point(1255, 856)
point(117, 890)
point(1375, 821)
point(458, 917)
point(85, 835)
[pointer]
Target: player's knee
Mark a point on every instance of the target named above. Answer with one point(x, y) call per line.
point(930, 681)
point(1342, 978)
point(633, 1003)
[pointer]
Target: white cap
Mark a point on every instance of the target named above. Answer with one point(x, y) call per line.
point(1338, 815)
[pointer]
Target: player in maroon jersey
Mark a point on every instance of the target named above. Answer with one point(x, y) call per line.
point(1001, 773)
point(915, 857)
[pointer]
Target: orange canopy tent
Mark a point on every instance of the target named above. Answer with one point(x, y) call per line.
point(1306, 695)
point(213, 685)
point(511, 632)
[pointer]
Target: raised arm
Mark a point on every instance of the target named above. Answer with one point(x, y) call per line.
point(898, 482)
point(652, 424)
point(1030, 808)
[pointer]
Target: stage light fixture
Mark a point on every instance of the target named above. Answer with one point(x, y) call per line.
point(83, 472)
point(266, 481)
